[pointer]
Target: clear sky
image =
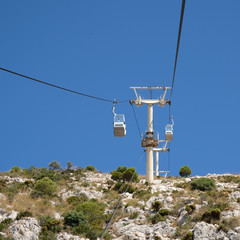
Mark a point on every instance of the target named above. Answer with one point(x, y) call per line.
point(102, 48)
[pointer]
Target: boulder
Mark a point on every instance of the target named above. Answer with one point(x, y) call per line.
point(26, 229)
point(67, 236)
point(13, 215)
point(205, 231)
point(182, 217)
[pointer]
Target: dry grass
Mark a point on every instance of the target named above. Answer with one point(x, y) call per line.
point(132, 202)
point(37, 207)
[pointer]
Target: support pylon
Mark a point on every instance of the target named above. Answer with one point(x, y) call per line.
point(150, 139)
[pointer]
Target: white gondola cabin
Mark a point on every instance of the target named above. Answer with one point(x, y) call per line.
point(119, 125)
point(169, 132)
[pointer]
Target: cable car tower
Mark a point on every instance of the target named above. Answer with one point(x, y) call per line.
point(150, 139)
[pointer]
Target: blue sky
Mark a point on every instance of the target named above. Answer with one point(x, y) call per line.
point(102, 48)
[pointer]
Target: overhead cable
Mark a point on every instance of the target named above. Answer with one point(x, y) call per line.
point(135, 116)
point(55, 86)
point(178, 43)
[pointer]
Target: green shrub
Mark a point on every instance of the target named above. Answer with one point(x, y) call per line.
point(90, 168)
point(134, 215)
point(129, 174)
point(206, 217)
point(185, 171)
point(82, 228)
point(125, 174)
point(69, 165)
point(238, 200)
point(156, 206)
point(216, 214)
point(47, 235)
point(76, 200)
point(15, 169)
point(39, 173)
point(85, 184)
point(190, 208)
point(12, 189)
point(44, 186)
point(74, 219)
point(52, 225)
point(122, 187)
point(23, 215)
point(142, 194)
point(54, 165)
point(229, 178)
point(5, 223)
point(188, 236)
point(121, 169)
point(157, 218)
point(93, 210)
point(209, 216)
point(164, 212)
point(203, 184)
point(117, 176)
point(29, 183)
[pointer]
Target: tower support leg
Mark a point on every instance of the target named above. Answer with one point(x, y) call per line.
point(156, 163)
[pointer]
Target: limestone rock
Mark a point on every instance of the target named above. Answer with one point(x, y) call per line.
point(13, 215)
point(182, 217)
point(66, 236)
point(205, 231)
point(26, 229)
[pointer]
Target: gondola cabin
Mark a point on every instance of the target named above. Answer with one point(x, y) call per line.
point(169, 132)
point(119, 125)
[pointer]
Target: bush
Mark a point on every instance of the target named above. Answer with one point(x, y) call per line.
point(117, 176)
point(90, 168)
point(125, 174)
point(29, 183)
point(54, 165)
point(164, 212)
point(190, 208)
point(203, 184)
point(52, 225)
point(47, 235)
point(122, 187)
point(129, 174)
point(93, 210)
point(23, 215)
point(74, 219)
point(69, 165)
point(121, 169)
point(188, 236)
point(238, 200)
point(206, 217)
point(216, 214)
point(185, 171)
point(156, 206)
point(39, 173)
point(157, 218)
point(44, 186)
point(143, 194)
point(5, 223)
point(15, 169)
point(209, 216)
point(134, 215)
point(76, 200)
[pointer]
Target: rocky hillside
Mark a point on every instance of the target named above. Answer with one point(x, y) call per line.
point(40, 203)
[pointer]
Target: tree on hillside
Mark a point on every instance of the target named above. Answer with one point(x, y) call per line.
point(69, 165)
point(54, 165)
point(185, 171)
point(125, 174)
